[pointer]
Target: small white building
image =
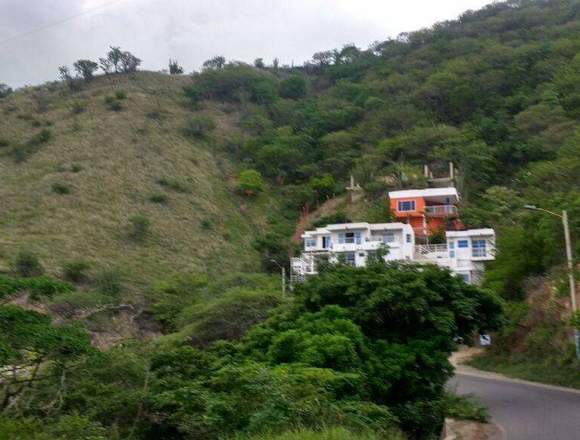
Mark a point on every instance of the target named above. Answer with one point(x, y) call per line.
point(464, 253)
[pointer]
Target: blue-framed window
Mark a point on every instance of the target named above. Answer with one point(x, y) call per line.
point(406, 205)
point(408, 238)
point(462, 244)
point(479, 248)
point(326, 242)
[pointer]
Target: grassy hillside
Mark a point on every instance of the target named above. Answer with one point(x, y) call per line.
point(71, 197)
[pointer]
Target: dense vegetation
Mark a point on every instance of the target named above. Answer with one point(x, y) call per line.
point(362, 349)
point(205, 174)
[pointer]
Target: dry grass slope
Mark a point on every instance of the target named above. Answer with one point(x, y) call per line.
point(111, 163)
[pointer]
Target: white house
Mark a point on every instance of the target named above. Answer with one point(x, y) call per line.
point(464, 253)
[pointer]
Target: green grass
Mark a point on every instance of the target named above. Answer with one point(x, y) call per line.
point(550, 371)
point(122, 156)
point(325, 434)
point(464, 408)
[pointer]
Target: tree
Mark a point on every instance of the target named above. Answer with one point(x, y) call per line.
point(293, 87)
point(323, 59)
point(217, 62)
point(27, 264)
point(114, 58)
point(250, 182)
point(4, 90)
point(259, 63)
point(85, 69)
point(129, 62)
point(175, 68)
point(67, 78)
point(28, 341)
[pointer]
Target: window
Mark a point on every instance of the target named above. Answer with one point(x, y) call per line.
point(349, 258)
point(408, 238)
point(451, 247)
point(462, 244)
point(389, 237)
point(349, 238)
point(464, 277)
point(479, 248)
point(407, 205)
point(326, 243)
point(310, 242)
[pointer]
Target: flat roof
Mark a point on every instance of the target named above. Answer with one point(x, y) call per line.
point(354, 226)
point(427, 192)
point(470, 233)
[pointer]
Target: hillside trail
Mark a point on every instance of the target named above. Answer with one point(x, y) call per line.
point(330, 206)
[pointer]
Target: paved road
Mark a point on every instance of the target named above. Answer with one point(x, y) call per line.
point(524, 411)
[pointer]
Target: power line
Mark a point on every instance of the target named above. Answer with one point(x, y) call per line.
point(59, 22)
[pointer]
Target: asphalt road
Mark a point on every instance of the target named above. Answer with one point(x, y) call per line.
point(524, 411)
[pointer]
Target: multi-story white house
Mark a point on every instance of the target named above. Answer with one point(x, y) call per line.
point(464, 253)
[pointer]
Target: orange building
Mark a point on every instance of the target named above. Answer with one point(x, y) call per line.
point(427, 210)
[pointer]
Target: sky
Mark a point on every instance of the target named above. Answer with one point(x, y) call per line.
point(37, 36)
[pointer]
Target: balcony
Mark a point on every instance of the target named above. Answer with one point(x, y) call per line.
point(441, 211)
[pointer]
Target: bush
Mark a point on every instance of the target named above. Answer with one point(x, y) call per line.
point(76, 168)
point(115, 106)
point(78, 108)
point(464, 408)
point(250, 182)
point(26, 264)
point(61, 188)
point(206, 224)
point(109, 282)
point(159, 198)
point(139, 228)
point(76, 271)
point(293, 87)
point(174, 184)
point(199, 126)
point(120, 94)
point(47, 287)
point(4, 143)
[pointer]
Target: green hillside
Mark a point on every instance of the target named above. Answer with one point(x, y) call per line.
point(71, 197)
point(191, 185)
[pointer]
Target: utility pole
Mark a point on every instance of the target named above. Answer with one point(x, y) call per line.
point(570, 264)
point(283, 271)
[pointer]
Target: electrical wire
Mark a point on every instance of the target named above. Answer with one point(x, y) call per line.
point(59, 22)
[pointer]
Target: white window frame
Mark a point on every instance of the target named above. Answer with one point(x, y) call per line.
point(478, 248)
point(401, 203)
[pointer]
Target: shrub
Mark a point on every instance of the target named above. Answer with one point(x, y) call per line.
point(76, 271)
point(41, 137)
point(26, 264)
point(464, 408)
point(120, 94)
point(109, 282)
point(61, 188)
point(199, 126)
point(78, 108)
point(139, 228)
point(46, 286)
point(76, 168)
point(293, 87)
point(115, 106)
point(160, 198)
point(206, 224)
point(4, 143)
point(174, 184)
point(250, 182)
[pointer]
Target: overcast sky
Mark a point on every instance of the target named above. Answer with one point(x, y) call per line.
point(36, 36)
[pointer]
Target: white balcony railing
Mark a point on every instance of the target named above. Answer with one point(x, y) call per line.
point(441, 210)
point(430, 251)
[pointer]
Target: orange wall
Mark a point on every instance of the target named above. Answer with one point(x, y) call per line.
point(419, 207)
